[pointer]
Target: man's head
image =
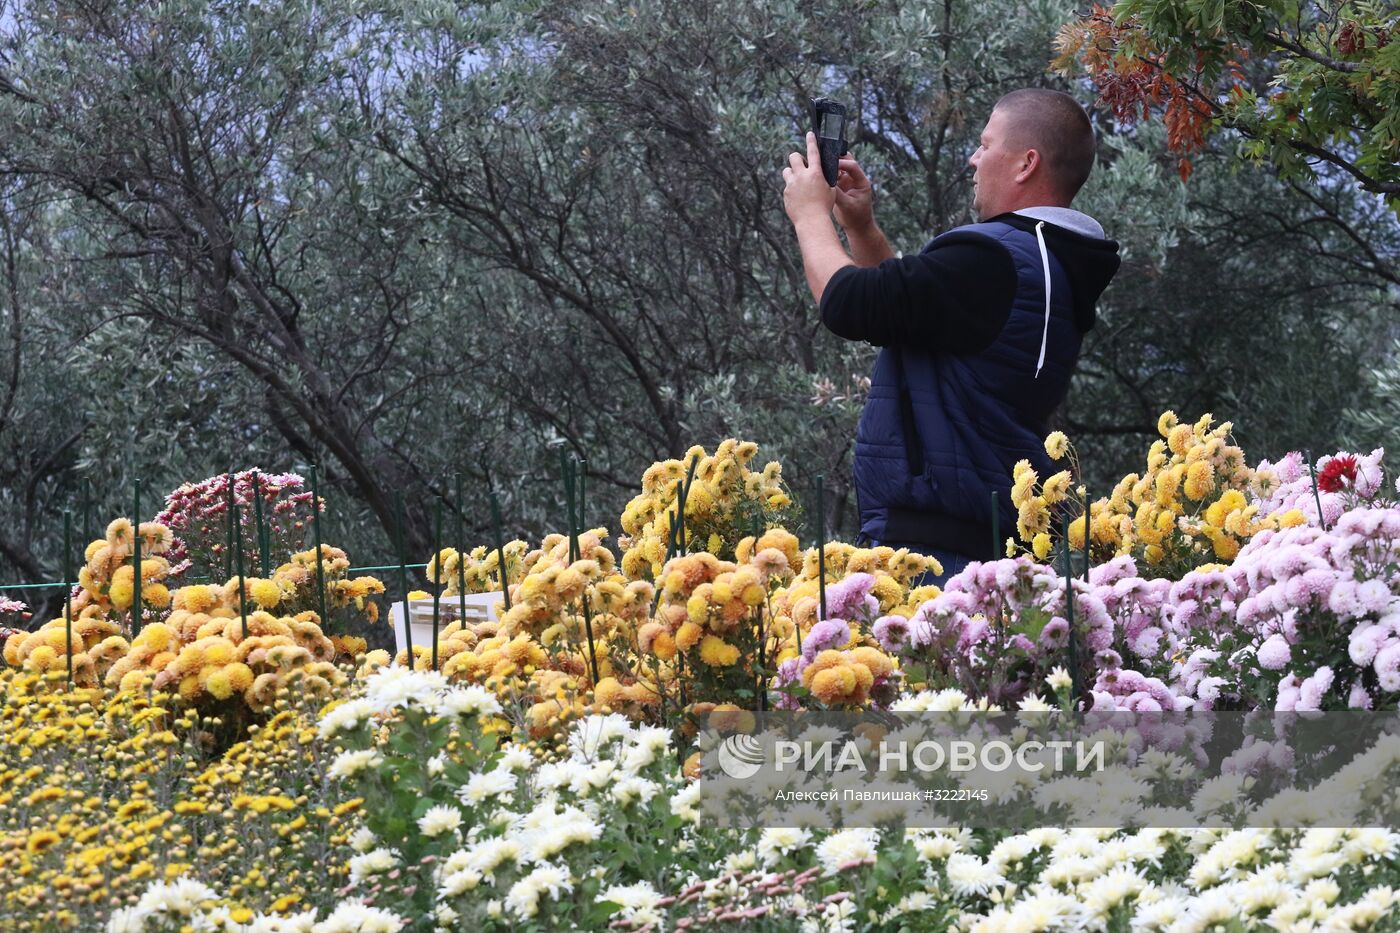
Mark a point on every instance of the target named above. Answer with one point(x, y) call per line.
point(1036, 150)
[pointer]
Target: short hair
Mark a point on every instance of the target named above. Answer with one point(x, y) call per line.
point(1055, 125)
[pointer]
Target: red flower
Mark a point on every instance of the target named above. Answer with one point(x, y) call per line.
point(1340, 473)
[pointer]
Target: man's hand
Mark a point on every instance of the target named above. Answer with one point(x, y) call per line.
point(807, 194)
point(855, 208)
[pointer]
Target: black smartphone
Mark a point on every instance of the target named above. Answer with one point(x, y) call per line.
point(829, 125)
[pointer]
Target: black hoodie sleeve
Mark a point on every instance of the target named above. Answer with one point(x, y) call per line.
point(955, 298)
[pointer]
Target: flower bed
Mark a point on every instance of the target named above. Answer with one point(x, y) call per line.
point(543, 777)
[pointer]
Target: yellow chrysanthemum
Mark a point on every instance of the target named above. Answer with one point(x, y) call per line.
point(1166, 422)
point(717, 652)
point(1034, 515)
point(1056, 445)
point(1200, 477)
point(688, 636)
point(1040, 545)
point(265, 593)
point(1057, 487)
point(1076, 533)
point(1179, 440)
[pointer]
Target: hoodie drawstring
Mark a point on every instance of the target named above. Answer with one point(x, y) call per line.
point(1045, 264)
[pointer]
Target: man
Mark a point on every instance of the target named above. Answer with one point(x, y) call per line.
point(980, 331)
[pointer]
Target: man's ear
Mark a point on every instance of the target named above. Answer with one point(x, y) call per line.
point(1030, 161)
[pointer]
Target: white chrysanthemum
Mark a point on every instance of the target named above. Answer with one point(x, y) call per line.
point(345, 717)
point(354, 917)
point(459, 882)
point(846, 846)
point(1030, 703)
point(374, 862)
point(348, 764)
point(640, 903)
point(362, 839)
point(593, 733)
point(588, 777)
point(655, 738)
point(683, 804)
point(437, 764)
point(968, 874)
point(1159, 915)
point(740, 862)
point(523, 899)
point(1108, 891)
point(571, 826)
point(515, 758)
point(485, 857)
point(471, 700)
point(391, 688)
point(632, 789)
point(179, 898)
point(936, 847)
point(778, 841)
point(1010, 851)
point(553, 775)
point(440, 819)
point(836, 917)
point(1059, 678)
point(1370, 844)
point(126, 919)
point(479, 787)
point(911, 903)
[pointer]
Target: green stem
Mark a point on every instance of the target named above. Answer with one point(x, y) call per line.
point(1317, 495)
point(1076, 689)
point(437, 570)
point(238, 564)
point(461, 553)
point(136, 561)
point(500, 549)
point(821, 543)
point(320, 562)
point(228, 551)
point(68, 589)
point(403, 574)
point(263, 556)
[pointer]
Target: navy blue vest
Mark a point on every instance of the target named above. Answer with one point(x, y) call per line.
point(928, 458)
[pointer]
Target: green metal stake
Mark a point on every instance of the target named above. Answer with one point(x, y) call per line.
point(1086, 534)
point(68, 589)
point(762, 635)
point(500, 549)
point(136, 563)
point(263, 540)
point(821, 543)
point(403, 575)
point(437, 570)
point(681, 491)
point(1075, 687)
point(574, 554)
point(228, 552)
point(461, 553)
point(587, 609)
point(320, 561)
point(242, 583)
point(582, 478)
point(1312, 472)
